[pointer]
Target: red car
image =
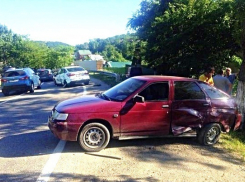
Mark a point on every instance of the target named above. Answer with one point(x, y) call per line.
point(146, 106)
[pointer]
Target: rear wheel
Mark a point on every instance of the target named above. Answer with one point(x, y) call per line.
point(94, 137)
point(5, 92)
point(86, 83)
point(209, 135)
point(39, 85)
point(32, 88)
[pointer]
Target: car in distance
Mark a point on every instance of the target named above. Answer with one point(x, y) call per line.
point(146, 106)
point(20, 80)
point(72, 75)
point(45, 74)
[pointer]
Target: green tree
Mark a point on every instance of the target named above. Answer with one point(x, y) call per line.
point(185, 36)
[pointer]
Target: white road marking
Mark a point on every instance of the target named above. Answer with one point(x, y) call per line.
point(50, 165)
point(53, 159)
point(12, 98)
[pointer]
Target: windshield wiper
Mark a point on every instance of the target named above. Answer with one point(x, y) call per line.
point(108, 98)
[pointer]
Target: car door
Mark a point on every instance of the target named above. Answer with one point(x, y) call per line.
point(151, 117)
point(190, 107)
point(35, 77)
point(63, 75)
point(32, 76)
point(58, 76)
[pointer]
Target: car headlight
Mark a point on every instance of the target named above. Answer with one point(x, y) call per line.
point(59, 116)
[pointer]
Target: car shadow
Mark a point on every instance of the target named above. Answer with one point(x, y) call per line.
point(158, 149)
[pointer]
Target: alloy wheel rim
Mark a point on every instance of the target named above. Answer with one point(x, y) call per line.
point(212, 134)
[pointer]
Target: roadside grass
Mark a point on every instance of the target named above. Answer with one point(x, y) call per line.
point(234, 142)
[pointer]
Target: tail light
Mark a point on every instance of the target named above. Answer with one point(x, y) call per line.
point(70, 74)
point(3, 80)
point(86, 72)
point(24, 78)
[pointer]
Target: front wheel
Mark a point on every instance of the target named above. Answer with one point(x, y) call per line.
point(94, 137)
point(32, 88)
point(209, 135)
point(65, 84)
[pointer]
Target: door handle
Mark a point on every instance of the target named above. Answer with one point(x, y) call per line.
point(206, 104)
point(165, 106)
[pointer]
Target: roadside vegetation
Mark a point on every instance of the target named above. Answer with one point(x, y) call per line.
point(234, 142)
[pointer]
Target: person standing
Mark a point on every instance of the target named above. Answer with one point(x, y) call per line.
point(208, 76)
point(222, 82)
point(231, 77)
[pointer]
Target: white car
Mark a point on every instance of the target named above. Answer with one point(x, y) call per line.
point(67, 76)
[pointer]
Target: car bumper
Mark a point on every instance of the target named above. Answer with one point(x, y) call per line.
point(79, 81)
point(22, 87)
point(62, 131)
point(46, 78)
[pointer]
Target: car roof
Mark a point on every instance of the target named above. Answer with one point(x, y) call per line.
point(19, 69)
point(15, 69)
point(73, 67)
point(163, 78)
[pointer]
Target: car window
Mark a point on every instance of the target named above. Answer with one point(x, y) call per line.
point(124, 89)
point(185, 90)
point(213, 92)
point(62, 71)
point(14, 73)
point(43, 72)
point(156, 92)
point(75, 69)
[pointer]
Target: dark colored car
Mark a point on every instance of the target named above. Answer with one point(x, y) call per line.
point(19, 80)
point(45, 74)
point(143, 107)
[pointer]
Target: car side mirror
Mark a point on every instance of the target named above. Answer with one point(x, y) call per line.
point(138, 98)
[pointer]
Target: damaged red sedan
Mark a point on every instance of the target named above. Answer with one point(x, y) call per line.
point(143, 107)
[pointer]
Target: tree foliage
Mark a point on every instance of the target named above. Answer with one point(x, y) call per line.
point(19, 51)
point(185, 36)
point(119, 48)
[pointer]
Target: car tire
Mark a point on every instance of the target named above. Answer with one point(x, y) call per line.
point(65, 84)
point(86, 83)
point(5, 92)
point(32, 88)
point(209, 135)
point(94, 137)
point(39, 85)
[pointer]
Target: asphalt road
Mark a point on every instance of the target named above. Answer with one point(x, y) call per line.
point(25, 140)
point(30, 152)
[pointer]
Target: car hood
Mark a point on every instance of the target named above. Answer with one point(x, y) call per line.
point(88, 104)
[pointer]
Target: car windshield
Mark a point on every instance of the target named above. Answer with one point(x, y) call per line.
point(213, 92)
point(123, 89)
point(14, 73)
point(75, 69)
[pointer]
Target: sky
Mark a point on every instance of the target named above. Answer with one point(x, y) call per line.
point(69, 21)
